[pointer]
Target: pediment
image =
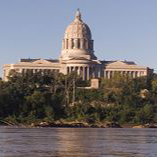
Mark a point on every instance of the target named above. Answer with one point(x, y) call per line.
point(122, 63)
point(118, 63)
point(41, 61)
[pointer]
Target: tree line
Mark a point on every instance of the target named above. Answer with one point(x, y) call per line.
point(27, 98)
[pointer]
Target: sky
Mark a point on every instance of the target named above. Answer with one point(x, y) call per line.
point(121, 29)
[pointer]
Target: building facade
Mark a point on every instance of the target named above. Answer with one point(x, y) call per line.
point(78, 55)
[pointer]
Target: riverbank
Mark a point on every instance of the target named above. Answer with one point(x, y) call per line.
point(95, 125)
point(77, 124)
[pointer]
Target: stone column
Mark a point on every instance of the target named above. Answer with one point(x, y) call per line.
point(134, 75)
point(108, 75)
point(75, 43)
point(129, 73)
point(81, 43)
point(20, 70)
point(104, 73)
point(121, 73)
point(70, 43)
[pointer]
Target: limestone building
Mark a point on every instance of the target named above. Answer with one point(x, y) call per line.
point(78, 55)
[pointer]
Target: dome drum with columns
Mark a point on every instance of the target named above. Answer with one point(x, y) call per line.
point(78, 55)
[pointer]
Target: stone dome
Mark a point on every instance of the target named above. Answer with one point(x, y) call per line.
point(77, 41)
point(78, 29)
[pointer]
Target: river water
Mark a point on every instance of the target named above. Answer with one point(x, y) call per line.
point(77, 142)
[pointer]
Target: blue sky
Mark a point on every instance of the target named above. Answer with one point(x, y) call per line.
point(121, 29)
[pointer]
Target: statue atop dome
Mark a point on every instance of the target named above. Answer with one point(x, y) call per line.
point(78, 14)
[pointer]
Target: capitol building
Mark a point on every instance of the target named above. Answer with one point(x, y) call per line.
point(78, 55)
